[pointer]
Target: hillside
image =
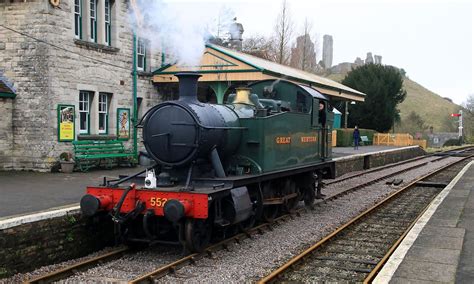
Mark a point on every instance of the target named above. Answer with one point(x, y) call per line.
point(432, 108)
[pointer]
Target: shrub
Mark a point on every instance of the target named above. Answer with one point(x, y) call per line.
point(452, 142)
point(344, 136)
point(65, 156)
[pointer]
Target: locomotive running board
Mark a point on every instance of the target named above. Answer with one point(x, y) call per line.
point(247, 179)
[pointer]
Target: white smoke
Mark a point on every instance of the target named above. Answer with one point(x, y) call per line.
point(177, 30)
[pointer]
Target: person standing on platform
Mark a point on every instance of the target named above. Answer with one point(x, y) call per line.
point(356, 136)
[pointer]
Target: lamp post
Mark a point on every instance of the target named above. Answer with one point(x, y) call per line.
point(346, 114)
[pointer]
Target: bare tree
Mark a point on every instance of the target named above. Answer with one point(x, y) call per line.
point(283, 34)
point(468, 119)
point(303, 55)
point(260, 46)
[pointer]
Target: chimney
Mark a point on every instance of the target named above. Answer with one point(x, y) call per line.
point(188, 86)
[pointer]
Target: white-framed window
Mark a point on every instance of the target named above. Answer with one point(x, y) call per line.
point(78, 19)
point(107, 21)
point(85, 98)
point(93, 19)
point(103, 112)
point(141, 54)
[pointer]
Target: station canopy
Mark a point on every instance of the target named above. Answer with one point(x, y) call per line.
point(220, 65)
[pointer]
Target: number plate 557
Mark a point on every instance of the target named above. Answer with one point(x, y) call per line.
point(158, 201)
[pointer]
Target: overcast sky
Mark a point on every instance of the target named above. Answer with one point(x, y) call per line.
point(432, 40)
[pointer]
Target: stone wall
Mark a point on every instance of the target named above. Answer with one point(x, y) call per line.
point(360, 162)
point(46, 75)
point(438, 139)
point(29, 246)
point(6, 137)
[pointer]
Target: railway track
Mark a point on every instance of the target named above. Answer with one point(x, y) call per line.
point(441, 155)
point(193, 258)
point(356, 251)
point(81, 266)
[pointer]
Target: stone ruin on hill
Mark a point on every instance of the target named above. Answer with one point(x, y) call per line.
point(343, 67)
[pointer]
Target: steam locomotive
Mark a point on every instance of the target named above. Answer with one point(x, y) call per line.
point(220, 168)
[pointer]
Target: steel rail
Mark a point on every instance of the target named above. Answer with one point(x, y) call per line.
point(162, 271)
point(273, 275)
point(377, 169)
point(192, 258)
point(174, 266)
point(83, 265)
point(382, 262)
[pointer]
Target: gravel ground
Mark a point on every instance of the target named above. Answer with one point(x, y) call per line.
point(253, 258)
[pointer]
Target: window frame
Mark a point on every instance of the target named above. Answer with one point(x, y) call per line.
point(78, 19)
point(103, 112)
point(85, 102)
point(108, 22)
point(141, 54)
point(93, 20)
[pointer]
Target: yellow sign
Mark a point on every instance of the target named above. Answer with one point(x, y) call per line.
point(66, 130)
point(65, 123)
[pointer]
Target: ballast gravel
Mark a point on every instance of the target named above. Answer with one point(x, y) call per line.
point(253, 258)
point(249, 263)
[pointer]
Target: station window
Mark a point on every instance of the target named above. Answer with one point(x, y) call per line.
point(107, 20)
point(78, 19)
point(93, 20)
point(141, 54)
point(103, 112)
point(85, 98)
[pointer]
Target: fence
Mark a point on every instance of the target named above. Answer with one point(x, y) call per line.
point(399, 139)
point(420, 142)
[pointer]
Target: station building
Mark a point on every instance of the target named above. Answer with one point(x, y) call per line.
point(74, 53)
point(66, 73)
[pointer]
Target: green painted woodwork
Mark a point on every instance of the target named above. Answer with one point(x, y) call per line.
point(235, 57)
point(7, 95)
point(298, 98)
point(337, 121)
point(260, 143)
point(219, 89)
point(157, 72)
point(86, 151)
point(285, 139)
point(134, 97)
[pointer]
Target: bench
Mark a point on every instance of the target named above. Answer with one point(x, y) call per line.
point(365, 141)
point(90, 153)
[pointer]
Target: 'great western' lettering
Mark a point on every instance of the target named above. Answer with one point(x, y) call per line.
point(309, 139)
point(283, 140)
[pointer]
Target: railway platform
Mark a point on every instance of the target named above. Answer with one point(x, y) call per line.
point(440, 246)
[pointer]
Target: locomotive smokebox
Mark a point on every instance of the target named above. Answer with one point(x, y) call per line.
point(175, 133)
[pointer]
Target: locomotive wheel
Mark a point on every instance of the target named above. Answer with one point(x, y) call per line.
point(290, 188)
point(256, 199)
point(270, 212)
point(197, 234)
point(309, 196)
